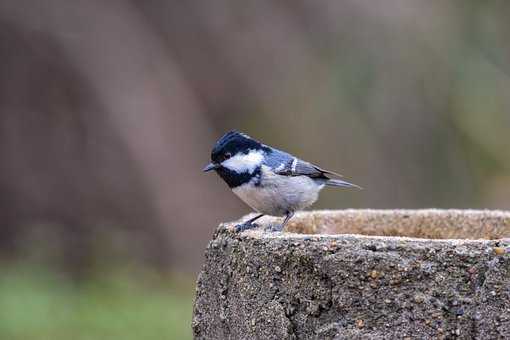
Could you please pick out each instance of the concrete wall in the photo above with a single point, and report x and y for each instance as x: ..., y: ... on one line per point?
x: 330, y: 285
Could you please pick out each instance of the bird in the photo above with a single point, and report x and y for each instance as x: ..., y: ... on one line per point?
x: 270, y: 181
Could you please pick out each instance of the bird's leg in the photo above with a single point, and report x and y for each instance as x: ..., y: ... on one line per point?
x: 248, y: 224
x: 281, y: 226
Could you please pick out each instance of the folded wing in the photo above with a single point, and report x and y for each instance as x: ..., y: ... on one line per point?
x: 298, y: 167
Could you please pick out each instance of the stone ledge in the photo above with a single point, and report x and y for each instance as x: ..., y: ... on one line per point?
x: 449, y: 276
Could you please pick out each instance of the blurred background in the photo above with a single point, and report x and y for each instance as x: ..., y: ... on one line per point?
x: 109, y: 110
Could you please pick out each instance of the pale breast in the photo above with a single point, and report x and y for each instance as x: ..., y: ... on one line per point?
x: 276, y: 194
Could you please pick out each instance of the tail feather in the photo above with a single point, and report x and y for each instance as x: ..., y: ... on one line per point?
x: 340, y: 183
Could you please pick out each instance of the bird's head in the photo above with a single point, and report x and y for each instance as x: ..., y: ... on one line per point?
x: 235, y: 155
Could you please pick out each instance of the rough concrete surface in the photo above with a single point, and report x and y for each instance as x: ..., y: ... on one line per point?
x: 327, y: 284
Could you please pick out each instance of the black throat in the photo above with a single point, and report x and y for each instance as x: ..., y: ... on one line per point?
x: 234, y: 179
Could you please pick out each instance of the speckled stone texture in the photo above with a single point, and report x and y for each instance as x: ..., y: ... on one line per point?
x: 326, y: 279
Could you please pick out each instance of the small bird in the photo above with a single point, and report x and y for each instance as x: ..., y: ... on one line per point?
x: 270, y: 181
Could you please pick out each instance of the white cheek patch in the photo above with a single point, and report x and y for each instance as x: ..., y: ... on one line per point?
x: 244, y: 162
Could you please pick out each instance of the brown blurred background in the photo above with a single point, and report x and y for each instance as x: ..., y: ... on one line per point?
x: 109, y: 109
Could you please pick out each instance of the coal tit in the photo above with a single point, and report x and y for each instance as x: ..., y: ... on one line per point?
x: 270, y: 181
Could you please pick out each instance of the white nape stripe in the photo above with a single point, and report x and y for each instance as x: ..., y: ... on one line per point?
x: 244, y: 162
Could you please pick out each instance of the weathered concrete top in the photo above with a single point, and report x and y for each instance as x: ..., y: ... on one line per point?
x: 359, y: 274
x: 426, y: 224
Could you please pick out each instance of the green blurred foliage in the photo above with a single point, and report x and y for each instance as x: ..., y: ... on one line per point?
x: 38, y: 304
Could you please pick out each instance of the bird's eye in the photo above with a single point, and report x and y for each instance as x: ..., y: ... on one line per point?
x: 228, y: 155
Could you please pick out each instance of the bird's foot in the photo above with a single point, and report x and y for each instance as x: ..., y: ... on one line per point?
x: 245, y: 226
x: 274, y: 228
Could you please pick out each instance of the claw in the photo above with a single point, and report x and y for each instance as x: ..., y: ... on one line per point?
x: 277, y: 228
x: 248, y: 224
x: 274, y: 228
x: 245, y: 226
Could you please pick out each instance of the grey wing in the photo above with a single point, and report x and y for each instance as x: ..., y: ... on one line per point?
x: 293, y: 166
x: 298, y: 167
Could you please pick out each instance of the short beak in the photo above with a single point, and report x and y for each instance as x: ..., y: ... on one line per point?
x: 210, y: 166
